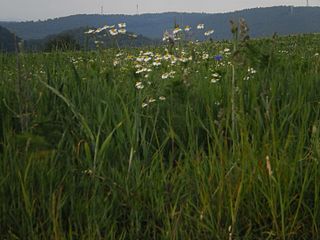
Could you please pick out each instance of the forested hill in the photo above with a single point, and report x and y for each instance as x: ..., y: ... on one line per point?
x: 7, y: 40
x: 262, y: 22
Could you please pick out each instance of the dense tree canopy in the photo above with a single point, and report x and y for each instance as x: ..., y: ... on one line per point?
x: 62, y: 42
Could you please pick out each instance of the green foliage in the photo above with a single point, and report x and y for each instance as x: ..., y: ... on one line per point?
x: 64, y: 42
x: 114, y: 145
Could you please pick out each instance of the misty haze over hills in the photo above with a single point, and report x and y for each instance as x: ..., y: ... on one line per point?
x: 262, y: 22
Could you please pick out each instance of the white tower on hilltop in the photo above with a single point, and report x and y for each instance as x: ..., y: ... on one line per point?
x: 313, y: 3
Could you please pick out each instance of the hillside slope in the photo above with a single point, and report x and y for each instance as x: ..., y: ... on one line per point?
x: 7, y: 40
x: 88, y: 41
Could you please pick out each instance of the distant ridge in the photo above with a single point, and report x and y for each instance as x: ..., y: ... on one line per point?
x: 262, y: 22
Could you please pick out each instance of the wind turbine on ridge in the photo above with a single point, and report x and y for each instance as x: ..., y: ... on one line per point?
x: 308, y: 5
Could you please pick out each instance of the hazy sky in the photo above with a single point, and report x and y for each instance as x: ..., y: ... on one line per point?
x: 43, y: 9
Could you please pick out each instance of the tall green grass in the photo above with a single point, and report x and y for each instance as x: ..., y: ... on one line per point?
x: 80, y: 158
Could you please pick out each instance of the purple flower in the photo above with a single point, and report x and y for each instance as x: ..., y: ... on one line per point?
x: 218, y: 58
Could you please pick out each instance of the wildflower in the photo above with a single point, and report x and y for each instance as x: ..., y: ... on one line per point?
x: 148, y: 54
x: 115, y: 62
x: 268, y: 166
x: 201, y: 215
x: 200, y: 26
x: 314, y: 129
x: 173, y: 60
x: 89, y: 31
x: 98, y: 30
x: 110, y: 27
x: 205, y: 56
x: 177, y: 30
x: 139, y: 85
x: 218, y: 58
x: 104, y: 27
x: 113, y: 32
x: 130, y: 57
x: 166, y: 36
x: 230, y: 232
x: 140, y: 59
x: 171, y: 73
x: 88, y: 172
x: 158, y: 57
x: 144, y: 105
x: 167, y: 56
x: 252, y: 71
x: 187, y: 28
x: 226, y: 50
x: 151, y: 100
x: 156, y: 63
x: 147, y: 59
x: 165, y: 75
x: 216, y: 78
x: 133, y: 35
x: 141, y: 70
x: 122, y: 30
x: 216, y: 75
x: 119, y: 54
x: 122, y: 25
x: 208, y: 33
x: 316, y: 54
x: 162, y: 98
x: 183, y: 59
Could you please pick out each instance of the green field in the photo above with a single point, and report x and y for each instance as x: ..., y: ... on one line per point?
x: 213, y: 140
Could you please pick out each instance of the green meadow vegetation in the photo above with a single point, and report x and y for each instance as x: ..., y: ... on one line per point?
x: 212, y: 140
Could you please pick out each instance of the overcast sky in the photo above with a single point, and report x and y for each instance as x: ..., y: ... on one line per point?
x: 43, y: 9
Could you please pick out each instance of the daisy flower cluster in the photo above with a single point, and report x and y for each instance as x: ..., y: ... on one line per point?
x: 176, y: 33
x: 113, y: 30
x: 251, y: 72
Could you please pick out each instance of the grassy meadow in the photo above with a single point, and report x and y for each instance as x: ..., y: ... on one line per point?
x: 212, y: 140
